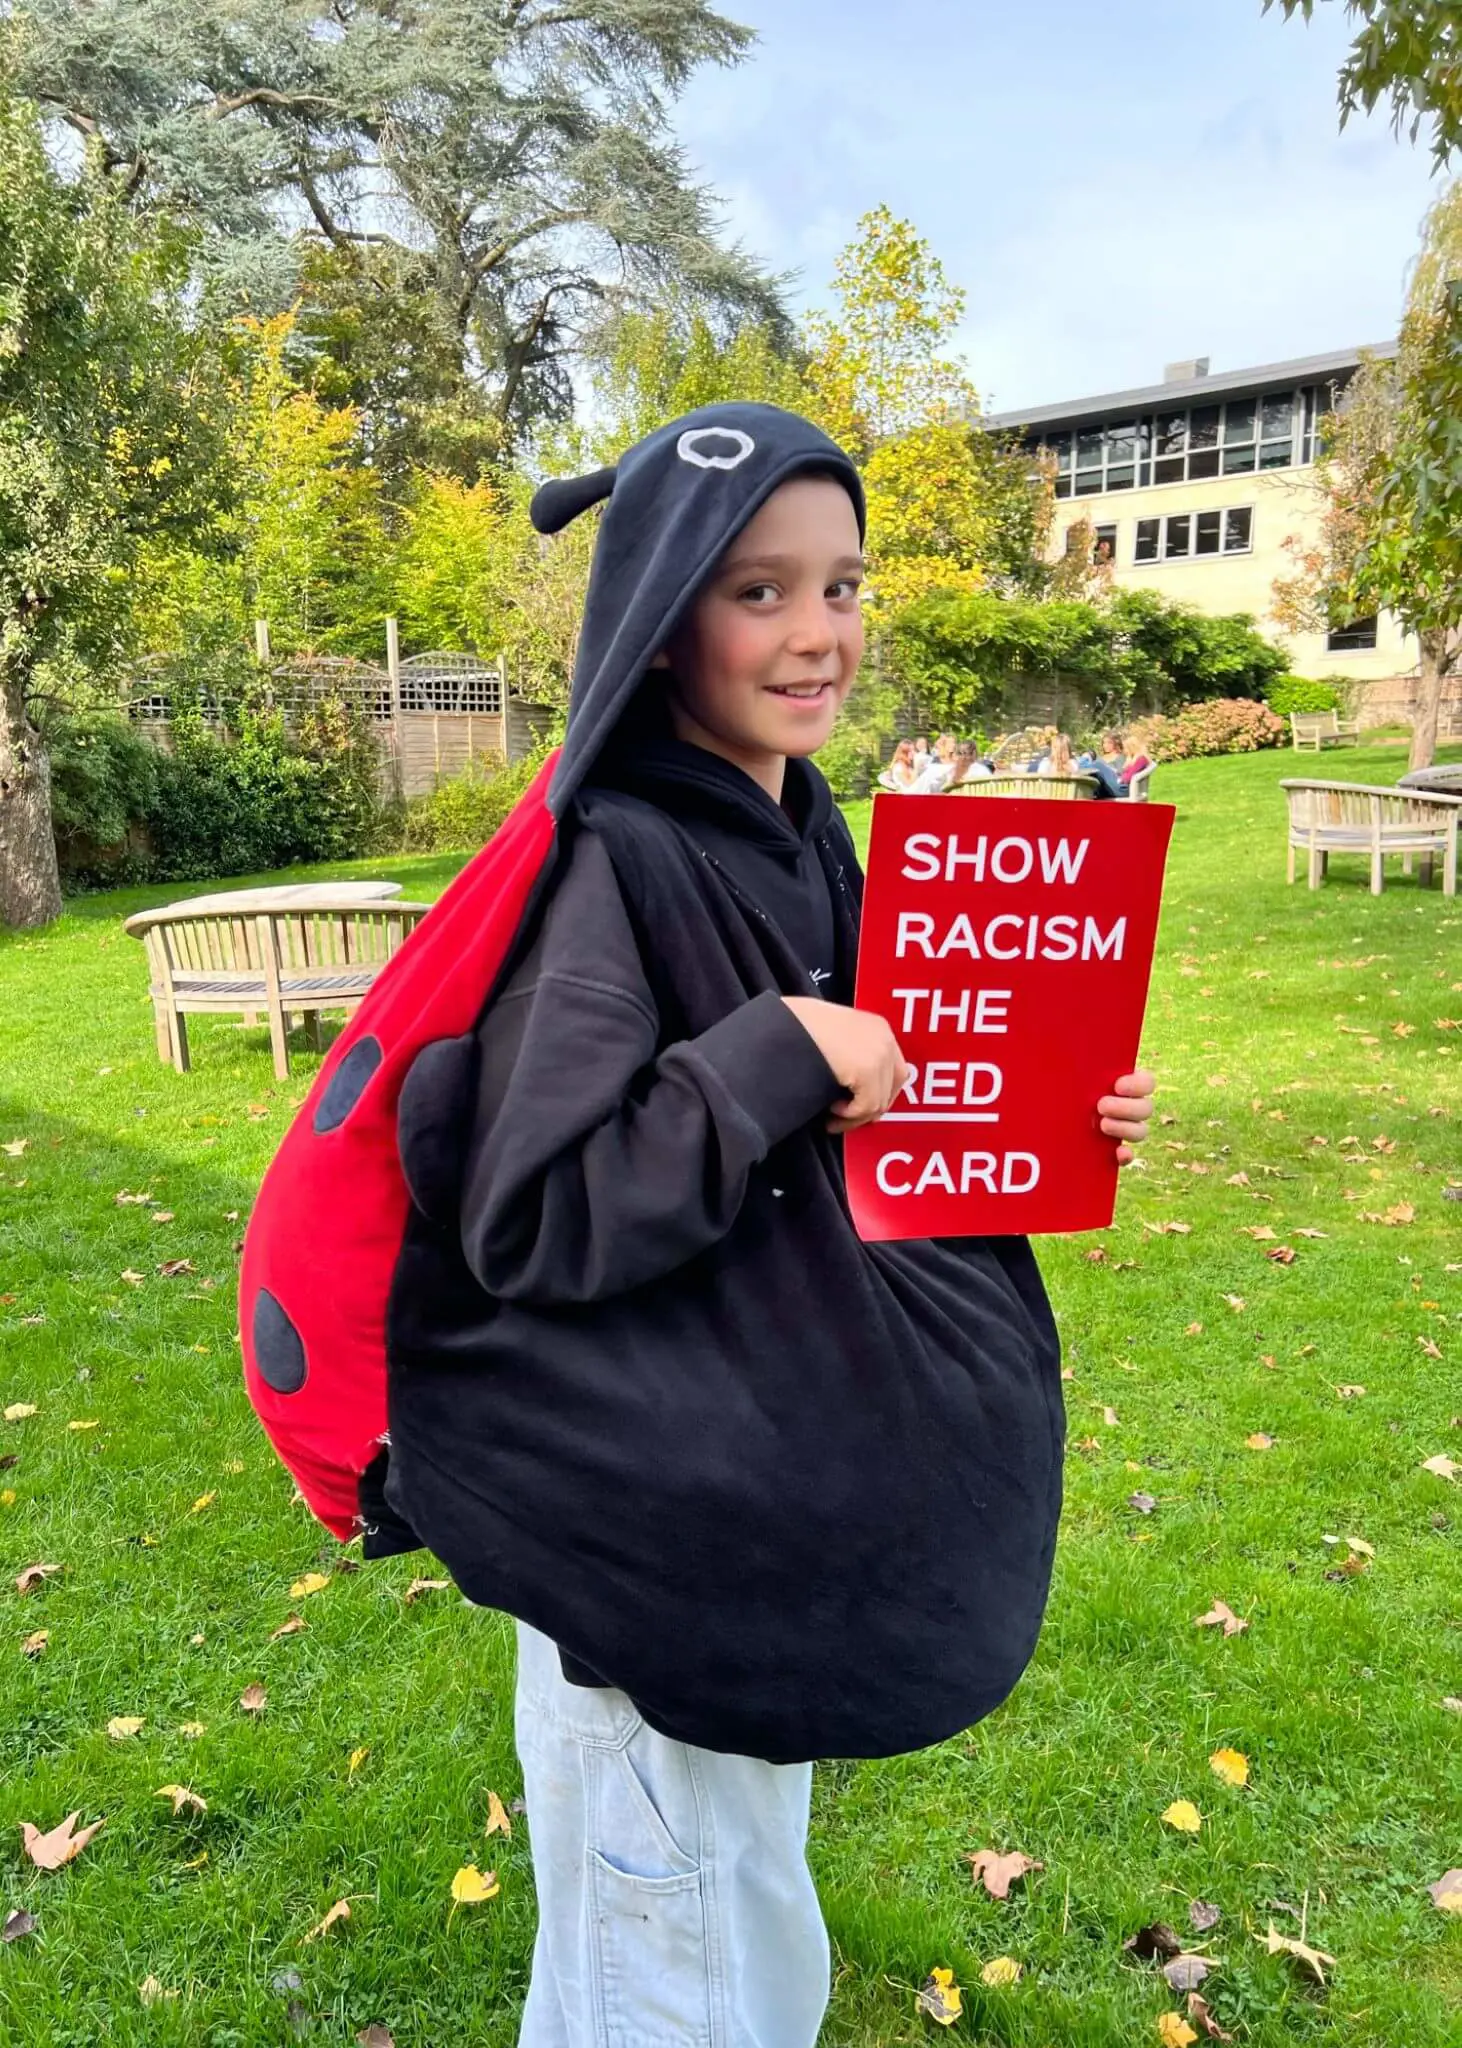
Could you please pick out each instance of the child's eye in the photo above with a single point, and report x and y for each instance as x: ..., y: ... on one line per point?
x: 759, y: 593
x: 846, y: 588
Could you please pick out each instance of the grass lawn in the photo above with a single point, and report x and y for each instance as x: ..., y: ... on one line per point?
x: 1309, y: 1087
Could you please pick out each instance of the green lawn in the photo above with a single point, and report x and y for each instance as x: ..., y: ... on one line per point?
x: 1299, y: 1044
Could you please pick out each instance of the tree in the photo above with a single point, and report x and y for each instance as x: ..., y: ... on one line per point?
x: 512, y: 157
x: 650, y: 367
x: 108, y: 436
x: 1390, y: 479
x: 1408, y: 52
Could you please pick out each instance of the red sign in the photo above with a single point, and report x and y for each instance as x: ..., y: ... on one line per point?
x: 1009, y: 942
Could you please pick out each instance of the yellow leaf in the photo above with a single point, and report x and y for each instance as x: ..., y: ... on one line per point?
x: 192, y: 1729
x: 7, y: 1497
x: 34, y: 1644
x: 1002, y: 1970
x: 1173, y: 2031
x: 1314, y: 1959
x: 497, y: 1817
x: 1184, y: 1816
x: 357, y: 1758
x: 312, y: 1582
x: 122, y: 1725
x: 940, y: 1998
x: 204, y: 1500
x: 19, y: 1410
x: 419, y: 1586
x: 83, y: 1425
x: 471, y: 1886
x: 1443, y: 1466
x: 181, y: 1798
x: 1231, y: 1765
x: 196, y: 1862
x: 1258, y: 1442
x: 339, y: 1911
x: 151, y: 1991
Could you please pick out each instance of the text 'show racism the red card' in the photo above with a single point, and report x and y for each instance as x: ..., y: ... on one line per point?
x: 1009, y: 942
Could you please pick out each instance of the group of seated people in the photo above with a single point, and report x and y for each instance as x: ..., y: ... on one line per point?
x: 917, y: 769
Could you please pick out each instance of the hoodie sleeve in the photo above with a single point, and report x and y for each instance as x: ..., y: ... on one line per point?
x: 600, y: 1159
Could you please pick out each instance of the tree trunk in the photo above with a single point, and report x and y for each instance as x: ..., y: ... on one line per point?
x: 30, y: 883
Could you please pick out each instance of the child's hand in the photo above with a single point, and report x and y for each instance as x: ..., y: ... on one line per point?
x: 1126, y: 1113
x: 862, y: 1052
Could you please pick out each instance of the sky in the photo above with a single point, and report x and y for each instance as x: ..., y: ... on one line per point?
x: 1115, y: 186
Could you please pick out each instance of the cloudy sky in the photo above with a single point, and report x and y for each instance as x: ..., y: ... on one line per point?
x: 1116, y: 186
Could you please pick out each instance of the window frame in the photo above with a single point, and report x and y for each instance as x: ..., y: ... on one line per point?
x: 1343, y: 640
x: 1191, y: 523
x: 1151, y: 450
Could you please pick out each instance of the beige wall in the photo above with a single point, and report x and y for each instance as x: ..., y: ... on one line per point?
x: 1284, y: 501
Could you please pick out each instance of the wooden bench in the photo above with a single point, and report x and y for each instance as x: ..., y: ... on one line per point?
x: 1009, y: 783
x: 1356, y: 817
x: 307, y: 959
x: 1317, y: 729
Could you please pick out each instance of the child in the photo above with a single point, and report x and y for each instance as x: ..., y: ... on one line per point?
x: 756, y: 1492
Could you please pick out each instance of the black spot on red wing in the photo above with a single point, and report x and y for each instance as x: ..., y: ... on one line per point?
x: 347, y: 1084
x: 279, y: 1350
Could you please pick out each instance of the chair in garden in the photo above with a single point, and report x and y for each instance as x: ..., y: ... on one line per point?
x: 1356, y: 817
x: 1068, y: 787
x: 301, y: 961
x: 1317, y: 729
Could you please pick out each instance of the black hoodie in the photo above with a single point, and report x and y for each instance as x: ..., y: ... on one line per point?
x: 794, y: 1494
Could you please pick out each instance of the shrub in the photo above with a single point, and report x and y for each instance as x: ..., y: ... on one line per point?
x: 263, y: 800
x: 103, y: 784
x: 462, y: 812
x: 1301, y: 693
x: 1224, y: 725
x: 862, y: 739
x: 1199, y: 655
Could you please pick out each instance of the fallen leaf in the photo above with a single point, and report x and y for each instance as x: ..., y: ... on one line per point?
x: 1399, y: 1212
x: 132, y: 1278
x: 162, y: 1216
x: 1173, y: 2031
x: 198, y: 1639
x: 1237, y: 1180
x: 1220, y: 1614
x: 253, y: 1699
x: 1428, y: 1347
x: 471, y: 1886
x: 152, y: 1992
x: 1203, y: 1914
x: 18, y: 1925
x: 497, y: 1817
x: 49, y: 1852
x: 357, y: 1758
x: 1145, y: 1503
x: 1258, y: 1442
x: 1001, y: 1970
x: 1350, y: 1393
x: 182, y: 1798
x: 376, y: 2036
x: 1194, y: 1330
x: 419, y: 1586
x: 1306, y: 1233
x: 192, y: 1729
x: 1452, y: 1703
x: 1157, y: 1939
x: 339, y: 1911
x: 1236, y: 1302
x: 1357, y: 1544
x: 1314, y: 1959
x: 1258, y: 1231
x: 1198, y: 2010
x: 35, y: 1575
x: 204, y: 1500
x: 1109, y: 1417
x: 174, y: 1267
x: 1282, y: 1255
x: 1184, y: 1816
x: 1233, y: 1767
x: 123, y: 1200
x: 939, y: 1998
x: 83, y: 1425
x: 292, y: 1627
x: 19, y: 1411
x: 1447, y: 1892
x: 312, y: 1582
x: 1443, y: 1466
x: 121, y: 1726
x: 997, y: 1872
x: 1187, y: 1971
x: 13, y: 1148
x: 35, y: 1643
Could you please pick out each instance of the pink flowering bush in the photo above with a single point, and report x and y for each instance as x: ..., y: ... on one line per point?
x: 1223, y: 725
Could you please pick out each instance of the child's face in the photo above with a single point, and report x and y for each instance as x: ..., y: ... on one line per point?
x: 770, y: 647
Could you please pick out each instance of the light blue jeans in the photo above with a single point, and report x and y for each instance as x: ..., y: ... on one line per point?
x: 675, y: 1906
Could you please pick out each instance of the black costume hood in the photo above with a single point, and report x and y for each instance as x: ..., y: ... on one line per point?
x: 676, y: 501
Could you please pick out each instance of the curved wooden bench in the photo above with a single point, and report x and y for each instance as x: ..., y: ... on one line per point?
x: 308, y: 958
x: 1008, y: 784
x: 1360, y: 817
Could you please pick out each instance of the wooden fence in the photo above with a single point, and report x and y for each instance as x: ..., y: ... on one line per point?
x: 430, y: 715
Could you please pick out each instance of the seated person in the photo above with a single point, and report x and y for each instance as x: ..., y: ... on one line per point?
x: 934, y: 777
x: 900, y: 774
x: 1106, y: 768
x: 922, y: 755
x: 967, y: 766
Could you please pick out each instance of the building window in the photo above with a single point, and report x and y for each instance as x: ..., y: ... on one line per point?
x: 1183, y: 534
x: 1355, y: 638
x: 1103, y: 541
x: 1235, y: 438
